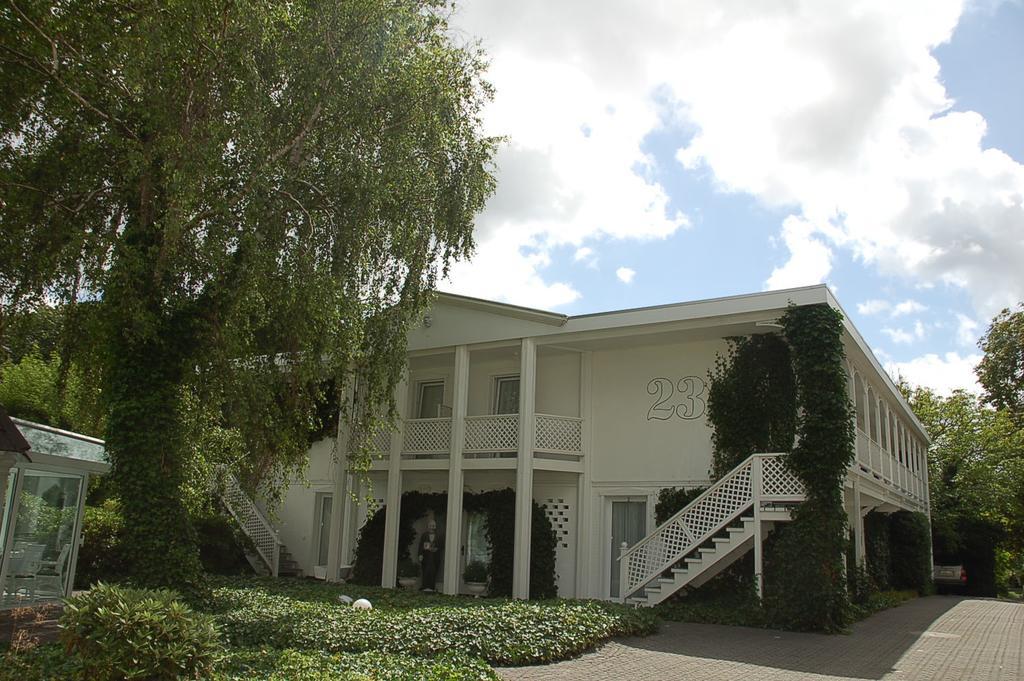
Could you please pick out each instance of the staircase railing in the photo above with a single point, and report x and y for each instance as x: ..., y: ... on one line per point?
x: 253, y: 523
x: 760, y: 477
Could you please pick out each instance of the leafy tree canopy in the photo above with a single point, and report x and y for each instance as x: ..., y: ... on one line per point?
x: 975, y: 468
x: 257, y: 195
x: 1001, y: 370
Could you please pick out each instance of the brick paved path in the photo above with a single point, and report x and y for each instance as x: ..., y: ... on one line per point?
x: 925, y: 640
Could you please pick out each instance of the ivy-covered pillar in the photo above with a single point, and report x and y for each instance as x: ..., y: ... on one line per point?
x: 524, y: 469
x: 393, y: 502
x: 453, y: 527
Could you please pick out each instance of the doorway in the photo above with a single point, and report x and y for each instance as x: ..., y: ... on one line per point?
x: 629, y: 525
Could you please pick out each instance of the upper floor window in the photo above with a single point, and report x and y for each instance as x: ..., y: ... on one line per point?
x: 431, y: 399
x: 506, y: 395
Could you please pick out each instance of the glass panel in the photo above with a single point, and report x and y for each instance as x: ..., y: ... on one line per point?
x: 56, y: 442
x: 507, y: 401
x: 325, y: 530
x: 431, y: 400
x: 44, y: 534
x: 629, y: 522
x: 477, y: 546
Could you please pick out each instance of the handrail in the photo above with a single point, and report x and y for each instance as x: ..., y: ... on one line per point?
x: 253, y: 523
x: 692, y: 525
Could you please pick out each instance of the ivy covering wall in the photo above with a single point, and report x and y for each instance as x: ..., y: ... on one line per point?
x: 499, y: 509
x: 751, y: 401
x: 767, y: 391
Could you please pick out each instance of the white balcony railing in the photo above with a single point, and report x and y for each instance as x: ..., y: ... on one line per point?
x: 559, y: 434
x: 428, y: 436
x: 491, y: 433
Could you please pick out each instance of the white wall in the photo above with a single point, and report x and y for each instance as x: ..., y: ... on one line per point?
x: 295, y: 519
x: 639, y: 435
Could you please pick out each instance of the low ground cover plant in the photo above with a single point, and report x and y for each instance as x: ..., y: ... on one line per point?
x: 502, y: 632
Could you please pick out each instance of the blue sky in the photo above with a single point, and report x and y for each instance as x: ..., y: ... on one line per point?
x: 683, y: 151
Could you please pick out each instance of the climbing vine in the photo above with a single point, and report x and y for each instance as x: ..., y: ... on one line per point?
x: 805, y: 577
x: 499, y: 509
x: 751, y: 401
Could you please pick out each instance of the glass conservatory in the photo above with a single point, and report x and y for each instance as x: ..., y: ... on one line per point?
x: 43, y: 502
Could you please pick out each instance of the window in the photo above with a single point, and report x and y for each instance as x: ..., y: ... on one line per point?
x: 506, y: 395
x: 431, y: 399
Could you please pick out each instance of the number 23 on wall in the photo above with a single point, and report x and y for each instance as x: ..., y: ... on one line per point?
x: 690, y: 403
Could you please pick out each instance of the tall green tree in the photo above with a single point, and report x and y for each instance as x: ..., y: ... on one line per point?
x: 976, y: 472
x: 1001, y: 370
x: 258, y: 194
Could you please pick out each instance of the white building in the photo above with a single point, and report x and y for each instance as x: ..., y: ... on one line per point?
x: 592, y: 415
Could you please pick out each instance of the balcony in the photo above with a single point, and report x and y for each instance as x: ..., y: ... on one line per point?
x: 492, y: 434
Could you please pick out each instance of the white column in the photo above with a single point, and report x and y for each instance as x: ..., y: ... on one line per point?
x: 349, y: 520
x: 340, y: 498
x: 857, y: 520
x: 453, y: 525
x: 588, y: 567
x: 524, y: 469
x: 756, y: 484
x: 393, y: 503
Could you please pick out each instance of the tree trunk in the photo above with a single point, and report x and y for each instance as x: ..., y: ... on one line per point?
x: 145, y: 368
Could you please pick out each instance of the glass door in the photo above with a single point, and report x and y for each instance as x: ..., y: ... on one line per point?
x: 37, y: 564
x: 629, y: 524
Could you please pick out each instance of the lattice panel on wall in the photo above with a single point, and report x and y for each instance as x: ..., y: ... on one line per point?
x: 560, y: 515
x: 498, y: 433
x: 559, y: 434
x: 777, y: 481
x: 428, y: 435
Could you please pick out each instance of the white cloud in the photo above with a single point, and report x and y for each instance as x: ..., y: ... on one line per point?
x: 810, y: 259
x: 942, y: 374
x: 966, y: 330
x: 873, y: 307
x: 899, y: 336
x: 906, y: 337
x: 908, y: 307
x: 583, y: 253
x: 834, y: 111
x: 625, y: 274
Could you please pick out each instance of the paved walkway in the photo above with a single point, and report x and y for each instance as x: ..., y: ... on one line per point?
x: 925, y: 640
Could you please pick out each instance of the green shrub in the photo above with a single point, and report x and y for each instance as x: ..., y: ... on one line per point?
x: 407, y: 568
x: 910, y: 550
x: 99, y: 556
x: 671, y: 500
x: 499, y: 631
x: 876, y: 545
x: 221, y: 545
x: 475, y: 572
x: 289, y: 665
x: 121, y: 633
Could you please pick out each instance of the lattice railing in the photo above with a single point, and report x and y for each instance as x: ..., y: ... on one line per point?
x: 559, y: 434
x: 428, y: 436
x: 705, y: 516
x: 777, y: 482
x: 492, y: 433
x: 253, y: 523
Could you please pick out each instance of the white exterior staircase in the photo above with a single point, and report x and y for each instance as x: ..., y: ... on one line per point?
x: 710, y: 533
x: 271, y: 557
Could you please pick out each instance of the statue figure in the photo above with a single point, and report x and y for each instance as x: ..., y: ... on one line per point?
x: 431, y: 546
